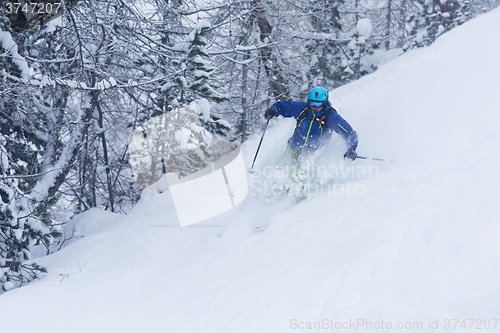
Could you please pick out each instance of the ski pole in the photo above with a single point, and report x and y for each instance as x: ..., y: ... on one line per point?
x: 258, y: 148
x: 371, y: 158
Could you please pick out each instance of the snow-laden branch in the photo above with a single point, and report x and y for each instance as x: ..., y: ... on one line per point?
x: 50, y: 61
x: 110, y: 83
x: 10, y: 46
x: 240, y: 48
x: 319, y: 36
x: 52, y: 179
x: 239, y: 62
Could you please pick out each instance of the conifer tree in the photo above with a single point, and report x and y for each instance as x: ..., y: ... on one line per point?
x: 24, y: 221
x: 325, y: 54
x: 469, y: 9
x: 193, y: 81
x: 359, y: 46
x: 436, y: 17
x: 193, y: 71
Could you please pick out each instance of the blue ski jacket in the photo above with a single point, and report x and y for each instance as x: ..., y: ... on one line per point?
x: 311, y: 131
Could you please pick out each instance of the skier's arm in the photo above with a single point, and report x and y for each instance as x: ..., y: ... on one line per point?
x: 288, y: 109
x: 342, y: 127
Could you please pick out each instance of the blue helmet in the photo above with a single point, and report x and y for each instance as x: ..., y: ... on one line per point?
x: 318, y: 94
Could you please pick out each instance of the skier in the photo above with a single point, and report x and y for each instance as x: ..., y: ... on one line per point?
x: 316, y: 120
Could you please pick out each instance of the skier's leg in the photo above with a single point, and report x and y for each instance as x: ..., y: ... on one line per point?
x: 288, y: 158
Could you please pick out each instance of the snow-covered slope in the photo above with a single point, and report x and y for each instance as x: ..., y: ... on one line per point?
x: 416, y: 243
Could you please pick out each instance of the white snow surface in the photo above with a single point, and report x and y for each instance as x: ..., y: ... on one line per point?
x: 419, y: 244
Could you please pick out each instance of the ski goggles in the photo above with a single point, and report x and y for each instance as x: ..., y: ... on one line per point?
x: 317, y: 104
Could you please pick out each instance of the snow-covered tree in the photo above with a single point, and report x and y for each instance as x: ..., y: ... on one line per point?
x: 172, y: 142
x: 469, y: 9
x: 433, y: 18
x: 357, y: 49
x: 324, y: 58
x: 24, y: 221
x: 193, y: 70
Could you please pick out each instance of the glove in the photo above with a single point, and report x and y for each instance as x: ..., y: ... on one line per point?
x: 351, y: 154
x: 270, y: 113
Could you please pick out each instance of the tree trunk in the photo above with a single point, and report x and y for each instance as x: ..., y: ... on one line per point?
x: 109, y: 180
x: 388, y: 25
x: 244, y: 102
x: 68, y: 157
x: 277, y: 83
